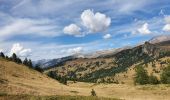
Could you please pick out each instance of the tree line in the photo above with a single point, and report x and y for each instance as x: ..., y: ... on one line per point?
x: 61, y: 79
x: 16, y: 59
x: 143, y: 78
x: 28, y: 63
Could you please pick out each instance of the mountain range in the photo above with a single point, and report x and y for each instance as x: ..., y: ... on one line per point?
x: 84, y: 72
x: 47, y: 63
x: 115, y: 66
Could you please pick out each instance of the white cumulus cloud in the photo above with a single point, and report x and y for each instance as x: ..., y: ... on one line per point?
x: 107, y: 36
x: 95, y: 22
x: 20, y: 50
x: 72, y: 29
x: 167, y: 25
x: 75, y: 50
x: 144, y: 29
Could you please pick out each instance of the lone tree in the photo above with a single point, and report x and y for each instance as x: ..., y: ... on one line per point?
x: 2, y: 55
x: 141, y: 76
x: 25, y: 62
x: 30, y: 63
x: 6, y: 57
x: 14, y: 57
x: 93, y: 93
x: 19, y: 61
x: 165, y: 76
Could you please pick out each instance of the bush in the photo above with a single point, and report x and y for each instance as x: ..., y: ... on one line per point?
x: 141, y: 76
x: 93, y: 93
x: 153, y: 80
x: 3, y: 94
x: 165, y: 76
x: 38, y: 68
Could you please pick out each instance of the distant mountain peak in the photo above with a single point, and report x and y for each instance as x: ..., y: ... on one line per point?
x: 160, y: 38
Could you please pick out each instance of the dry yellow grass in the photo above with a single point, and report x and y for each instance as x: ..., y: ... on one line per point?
x: 128, y: 92
x: 18, y: 79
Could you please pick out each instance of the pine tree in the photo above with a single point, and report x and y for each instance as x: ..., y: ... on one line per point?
x: 141, y: 76
x: 19, y: 61
x: 14, y: 57
x: 25, y: 62
x: 38, y: 68
x: 165, y: 76
x: 53, y: 75
x: 30, y: 63
x: 2, y: 55
x: 6, y: 57
x: 64, y: 80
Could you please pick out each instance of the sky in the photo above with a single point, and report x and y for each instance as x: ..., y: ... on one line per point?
x: 46, y: 29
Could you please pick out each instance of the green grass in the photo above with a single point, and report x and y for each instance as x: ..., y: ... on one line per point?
x: 29, y: 97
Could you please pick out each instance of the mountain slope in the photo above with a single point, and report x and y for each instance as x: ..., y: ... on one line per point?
x: 159, y: 39
x: 98, y: 69
x: 50, y: 63
x: 23, y: 83
x: 19, y: 79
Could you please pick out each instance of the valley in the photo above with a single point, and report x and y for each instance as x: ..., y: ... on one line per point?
x: 84, y: 49
x: 112, y: 76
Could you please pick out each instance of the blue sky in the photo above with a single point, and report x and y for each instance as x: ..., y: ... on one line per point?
x: 45, y: 29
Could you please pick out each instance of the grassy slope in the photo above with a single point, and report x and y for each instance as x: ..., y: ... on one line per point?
x: 129, y: 92
x: 28, y: 97
x: 17, y: 80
